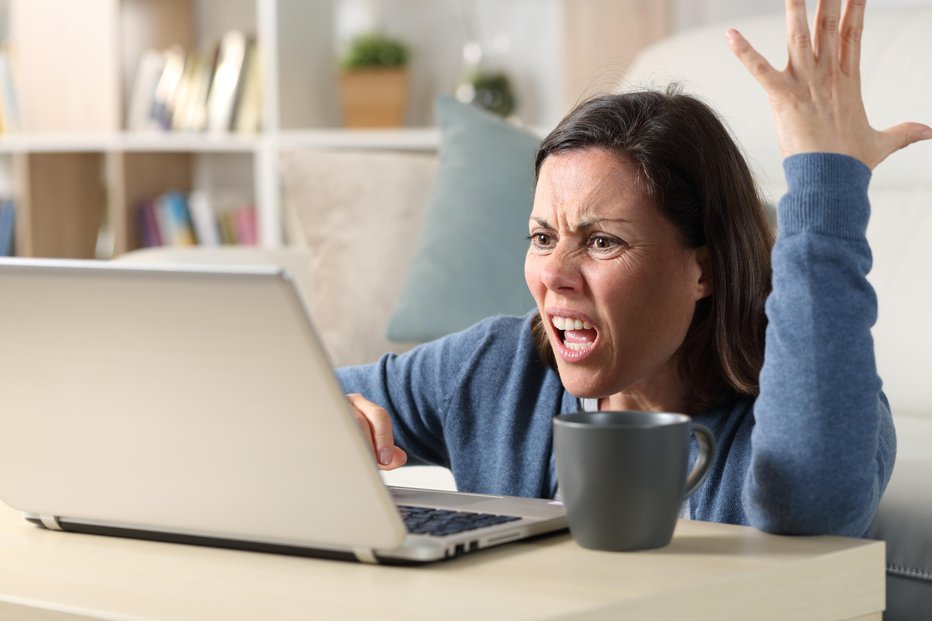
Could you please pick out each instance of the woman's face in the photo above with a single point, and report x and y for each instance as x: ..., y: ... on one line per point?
x: 615, y: 286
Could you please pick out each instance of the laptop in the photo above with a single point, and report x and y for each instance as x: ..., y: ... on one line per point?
x: 197, y: 405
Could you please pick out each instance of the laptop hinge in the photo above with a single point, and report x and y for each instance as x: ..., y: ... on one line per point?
x: 50, y: 522
x: 365, y: 555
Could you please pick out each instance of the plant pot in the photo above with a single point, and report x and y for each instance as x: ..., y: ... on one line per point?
x: 374, y: 97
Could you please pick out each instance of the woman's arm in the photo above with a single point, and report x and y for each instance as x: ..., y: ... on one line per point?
x: 478, y: 402
x: 452, y: 401
x: 400, y: 401
x: 823, y: 445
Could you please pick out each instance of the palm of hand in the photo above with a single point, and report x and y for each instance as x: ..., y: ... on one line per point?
x: 816, y: 100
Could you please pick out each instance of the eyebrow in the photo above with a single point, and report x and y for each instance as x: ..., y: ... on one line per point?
x: 587, y: 223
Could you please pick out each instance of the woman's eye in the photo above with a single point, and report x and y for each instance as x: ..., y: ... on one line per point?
x: 540, y: 240
x: 603, y: 243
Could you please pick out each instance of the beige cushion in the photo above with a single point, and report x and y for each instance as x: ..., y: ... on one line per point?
x: 359, y: 214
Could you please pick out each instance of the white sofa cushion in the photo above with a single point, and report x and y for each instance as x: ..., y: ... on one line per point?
x: 899, y: 233
x: 896, y: 77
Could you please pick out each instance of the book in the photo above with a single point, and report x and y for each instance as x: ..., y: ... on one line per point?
x: 142, y: 98
x: 7, y: 228
x: 206, y: 230
x: 191, y: 110
x: 174, y: 221
x: 164, y: 97
x: 147, y: 225
x: 227, y: 227
x: 9, y: 108
x: 182, y: 229
x: 226, y: 82
x: 244, y: 223
x: 180, y: 100
x: 249, y: 103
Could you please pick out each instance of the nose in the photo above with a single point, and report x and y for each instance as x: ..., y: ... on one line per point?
x: 560, y: 272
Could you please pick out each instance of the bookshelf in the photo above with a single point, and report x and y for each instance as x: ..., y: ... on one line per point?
x: 75, y: 168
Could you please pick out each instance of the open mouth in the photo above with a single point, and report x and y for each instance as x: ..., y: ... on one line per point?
x: 576, y: 337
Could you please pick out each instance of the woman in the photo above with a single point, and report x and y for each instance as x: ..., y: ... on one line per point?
x: 649, y: 262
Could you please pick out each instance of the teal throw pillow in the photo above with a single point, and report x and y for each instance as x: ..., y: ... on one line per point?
x: 469, y: 262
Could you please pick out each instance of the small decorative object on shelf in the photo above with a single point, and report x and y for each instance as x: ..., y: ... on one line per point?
x: 490, y: 90
x: 481, y: 83
x: 374, y: 82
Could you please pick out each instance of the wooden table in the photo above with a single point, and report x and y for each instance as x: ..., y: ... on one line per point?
x: 709, y: 571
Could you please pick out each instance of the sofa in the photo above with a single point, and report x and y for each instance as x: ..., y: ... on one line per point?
x: 358, y: 222
x: 897, y: 86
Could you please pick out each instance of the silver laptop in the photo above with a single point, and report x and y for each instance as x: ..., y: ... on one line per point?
x: 197, y: 405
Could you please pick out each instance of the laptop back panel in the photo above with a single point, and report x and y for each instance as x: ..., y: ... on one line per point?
x: 131, y: 393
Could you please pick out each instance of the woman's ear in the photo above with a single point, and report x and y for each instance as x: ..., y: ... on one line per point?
x: 705, y: 286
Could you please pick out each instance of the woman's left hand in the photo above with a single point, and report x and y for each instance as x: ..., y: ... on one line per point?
x: 816, y: 100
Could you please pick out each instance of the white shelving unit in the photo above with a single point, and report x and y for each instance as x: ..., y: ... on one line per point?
x: 72, y: 167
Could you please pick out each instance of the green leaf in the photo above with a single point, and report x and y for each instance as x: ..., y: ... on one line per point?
x: 375, y: 51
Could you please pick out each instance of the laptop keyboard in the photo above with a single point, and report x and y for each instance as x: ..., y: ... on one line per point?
x: 443, y: 522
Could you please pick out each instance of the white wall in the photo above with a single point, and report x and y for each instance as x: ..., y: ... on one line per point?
x: 530, y: 29
x: 520, y: 36
x: 695, y: 13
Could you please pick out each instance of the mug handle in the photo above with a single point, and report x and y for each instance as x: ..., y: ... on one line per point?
x: 707, y: 448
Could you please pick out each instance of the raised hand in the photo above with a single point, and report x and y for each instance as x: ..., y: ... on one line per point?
x: 816, y: 100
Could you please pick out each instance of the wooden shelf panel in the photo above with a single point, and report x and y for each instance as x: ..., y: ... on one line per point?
x: 403, y: 139
x: 59, y: 219
x: 128, y: 142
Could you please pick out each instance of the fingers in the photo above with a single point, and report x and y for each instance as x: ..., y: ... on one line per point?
x: 852, y: 27
x: 900, y: 136
x: 399, y: 459
x: 376, y: 425
x: 756, y: 64
x: 798, y: 39
x: 825, y: 37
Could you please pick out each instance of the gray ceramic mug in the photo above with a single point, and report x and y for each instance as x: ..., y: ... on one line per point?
x: 622, y: 475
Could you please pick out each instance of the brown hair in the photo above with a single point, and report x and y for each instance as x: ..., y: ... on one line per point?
x: 695, y: 174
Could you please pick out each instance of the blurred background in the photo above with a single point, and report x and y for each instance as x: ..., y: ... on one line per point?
x: 131, y: 123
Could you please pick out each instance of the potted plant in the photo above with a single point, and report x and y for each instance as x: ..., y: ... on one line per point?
x: 374, y: 82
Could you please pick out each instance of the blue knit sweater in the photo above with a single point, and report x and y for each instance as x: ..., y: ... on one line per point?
x: 811, y: 455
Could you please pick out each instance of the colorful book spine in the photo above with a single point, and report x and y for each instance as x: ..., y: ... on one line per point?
x: 147, y: 225
x: 244, y: 220
x: 182, y: 229
x: 7, y: 228
x: 216, y: 88
x: 202, y: 216
x: 177, y: 219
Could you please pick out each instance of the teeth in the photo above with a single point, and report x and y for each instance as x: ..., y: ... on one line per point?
x: 565, y: 323
x: 578, y: 346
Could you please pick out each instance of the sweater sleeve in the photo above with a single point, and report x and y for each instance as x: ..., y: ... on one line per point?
x: 413, y: 388
x: 823, y: 444
x: 479, y: 402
